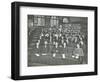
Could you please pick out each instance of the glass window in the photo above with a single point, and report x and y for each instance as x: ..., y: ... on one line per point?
x: 54, y: 21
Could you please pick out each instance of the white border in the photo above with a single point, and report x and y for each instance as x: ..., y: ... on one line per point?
x: 24, y: 70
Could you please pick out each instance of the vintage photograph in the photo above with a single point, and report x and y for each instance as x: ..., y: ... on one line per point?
x: 53, y: 40
x: 57, y: 40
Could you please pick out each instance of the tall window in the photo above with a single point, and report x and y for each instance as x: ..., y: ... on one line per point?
x: 54, y: 21
x: 30, y: 21
x: 39, y: 21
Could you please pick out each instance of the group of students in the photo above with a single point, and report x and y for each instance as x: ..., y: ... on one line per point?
x: 61, y: 43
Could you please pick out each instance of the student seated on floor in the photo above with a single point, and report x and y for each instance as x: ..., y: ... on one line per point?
x: 78, y: 53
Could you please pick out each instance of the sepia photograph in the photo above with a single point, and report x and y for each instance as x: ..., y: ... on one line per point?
x: 57, y: 40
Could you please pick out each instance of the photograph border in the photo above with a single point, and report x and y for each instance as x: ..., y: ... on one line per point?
x: 15, y: 39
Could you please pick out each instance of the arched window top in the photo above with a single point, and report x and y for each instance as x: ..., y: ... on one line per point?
x: 65, y: 20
